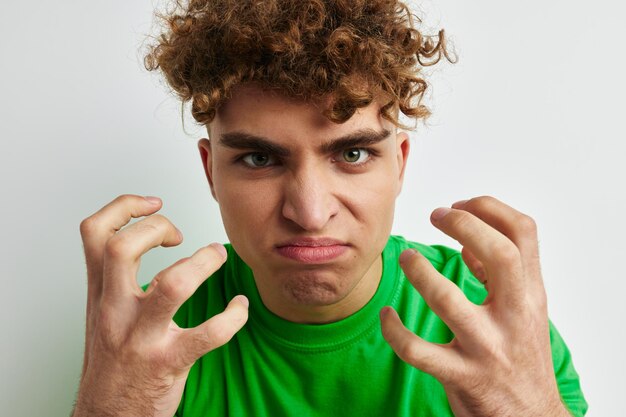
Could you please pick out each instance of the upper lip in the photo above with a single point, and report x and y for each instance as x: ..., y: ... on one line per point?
x: 311, y: 242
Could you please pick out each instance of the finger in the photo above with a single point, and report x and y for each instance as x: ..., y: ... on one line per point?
x: 97, y: 229
x: 520, y: 228
x: 475, y: 266
x: 436, y: 360
x: 174, y: 285
x: 215, y: 332
x: 123, y: 253
x: 442, y: 295
x: 500, y: 257
x: 478, y: 270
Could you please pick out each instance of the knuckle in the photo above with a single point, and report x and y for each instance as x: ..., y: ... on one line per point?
x: 239, y: 318
x: 158, y: 220
x: 173, y: 288
x: 125, y: 199
x: 198, y: 268
x: 444, y: 298
x: 408, y: 352
x: 487, y: 199
x: 483, y: 201
x: 463, y: 316
x: 156, y: 224
x: 119, y: 246
x: 205, y: 261
x: 527, y: 224
x: 539, y: 300
x: 454, y: 306
x: 446, y: 375
x: 88, y: 226
x: 147, y: 227
x: 465, y: 224
x: 411, y: 353
x: 462, y: 221
x: 507, y: 254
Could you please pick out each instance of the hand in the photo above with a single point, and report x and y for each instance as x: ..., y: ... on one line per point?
x: 500, y: 361
x: 136, y: 358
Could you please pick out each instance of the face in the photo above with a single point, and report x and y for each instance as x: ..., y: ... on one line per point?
x: 307, y: 203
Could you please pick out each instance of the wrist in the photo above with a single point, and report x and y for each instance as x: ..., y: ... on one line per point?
x: 111, y: 408
x: 556, y: 409
x: 112, y: 398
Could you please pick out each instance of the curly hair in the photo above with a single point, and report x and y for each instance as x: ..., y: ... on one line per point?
x: 356, y: 50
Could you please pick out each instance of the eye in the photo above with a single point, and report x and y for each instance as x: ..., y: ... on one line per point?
x: 258, y: 160
x: 356, y: 155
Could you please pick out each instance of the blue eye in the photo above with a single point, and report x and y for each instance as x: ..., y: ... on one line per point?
x: 355, y: 155
x: 258, y: 160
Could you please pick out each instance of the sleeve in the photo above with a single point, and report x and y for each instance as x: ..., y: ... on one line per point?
x: 566, y: 376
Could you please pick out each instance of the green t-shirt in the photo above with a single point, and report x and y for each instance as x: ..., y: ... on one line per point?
x: 273, y: 367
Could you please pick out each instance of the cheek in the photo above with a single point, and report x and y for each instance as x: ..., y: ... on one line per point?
x: 244, y: 205
x: 371, y: 199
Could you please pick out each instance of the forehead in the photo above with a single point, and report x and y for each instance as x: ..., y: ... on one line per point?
x: 273, y: 115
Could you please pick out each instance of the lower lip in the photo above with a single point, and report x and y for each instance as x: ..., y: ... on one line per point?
x: 312, y: 254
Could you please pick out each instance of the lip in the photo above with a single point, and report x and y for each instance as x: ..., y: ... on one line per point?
x: 312, y: 250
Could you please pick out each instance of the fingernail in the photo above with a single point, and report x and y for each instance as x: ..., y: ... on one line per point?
x: 180, y: 234
x: 406, y: 255
x: 387, y: 311
x: 440, y: 213
x: 220, y: 248
x: 153, y: 200
x: 459, y: 203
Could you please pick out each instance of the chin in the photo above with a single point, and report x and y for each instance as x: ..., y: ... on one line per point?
x: 313, y: 291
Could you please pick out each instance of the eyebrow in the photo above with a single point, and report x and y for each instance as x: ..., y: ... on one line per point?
x: 359, y: 138
x: 242, y: 140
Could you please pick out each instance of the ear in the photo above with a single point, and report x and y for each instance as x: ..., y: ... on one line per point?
x: 403, y: 146
x: 204, y: 146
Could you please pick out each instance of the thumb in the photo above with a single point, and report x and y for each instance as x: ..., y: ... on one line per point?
x: 215, y: 332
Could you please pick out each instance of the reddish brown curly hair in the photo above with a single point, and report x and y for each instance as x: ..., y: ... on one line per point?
x: 355, y: 50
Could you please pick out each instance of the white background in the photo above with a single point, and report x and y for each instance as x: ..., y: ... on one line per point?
x: 533, y: 114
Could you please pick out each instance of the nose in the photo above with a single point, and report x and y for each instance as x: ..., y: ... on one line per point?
x: 309, y: 200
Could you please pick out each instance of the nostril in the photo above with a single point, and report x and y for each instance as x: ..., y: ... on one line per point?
x: 309, y: 214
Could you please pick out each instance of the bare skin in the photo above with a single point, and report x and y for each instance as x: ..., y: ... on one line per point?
x: 304, y: 188
x: 136, y: 358
x: 500, y: 362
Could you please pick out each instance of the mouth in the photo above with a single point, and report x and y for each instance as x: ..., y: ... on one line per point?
x: 312, y: 250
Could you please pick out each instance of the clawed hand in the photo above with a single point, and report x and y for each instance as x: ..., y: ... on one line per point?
x: 136, y: 358
x: 500, y: 361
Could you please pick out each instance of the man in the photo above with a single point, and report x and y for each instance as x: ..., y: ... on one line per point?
x: 301, y: 101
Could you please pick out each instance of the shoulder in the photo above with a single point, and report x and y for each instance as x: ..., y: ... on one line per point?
x: 438, y: 255
x: 448, y: 262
